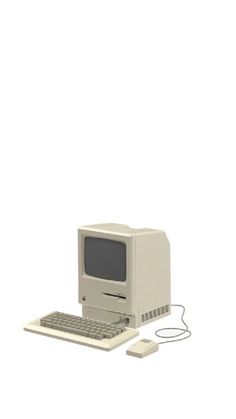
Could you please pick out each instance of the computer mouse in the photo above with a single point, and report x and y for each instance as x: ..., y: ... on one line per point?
x: 142, y: 348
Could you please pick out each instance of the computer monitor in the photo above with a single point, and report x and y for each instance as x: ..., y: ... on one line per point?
x: 124, y: 273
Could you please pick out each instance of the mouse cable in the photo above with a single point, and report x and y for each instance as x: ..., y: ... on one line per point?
x: 181, y: 331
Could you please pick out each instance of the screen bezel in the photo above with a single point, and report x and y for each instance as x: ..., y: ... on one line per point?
x: 92, y: 289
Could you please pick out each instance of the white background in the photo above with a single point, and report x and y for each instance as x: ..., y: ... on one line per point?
x: 117, y: 111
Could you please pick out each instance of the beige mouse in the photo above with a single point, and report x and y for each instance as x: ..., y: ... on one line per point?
x: 142, y: 348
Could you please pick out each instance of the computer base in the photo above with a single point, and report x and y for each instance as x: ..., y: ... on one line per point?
x: 133, y: 321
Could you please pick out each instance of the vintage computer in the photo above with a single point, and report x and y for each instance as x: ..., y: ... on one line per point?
x: 124, y: 283
x: 124, y: 273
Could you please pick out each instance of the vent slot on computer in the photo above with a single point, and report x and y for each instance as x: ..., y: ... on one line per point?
x: 155, y: 313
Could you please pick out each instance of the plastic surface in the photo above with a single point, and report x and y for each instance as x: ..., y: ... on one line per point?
x: 142, y: 348
x: 105, y: 344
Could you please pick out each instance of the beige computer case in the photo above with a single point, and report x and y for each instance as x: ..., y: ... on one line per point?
x: 145, y: 295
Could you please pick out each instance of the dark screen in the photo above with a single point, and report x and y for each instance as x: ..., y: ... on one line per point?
x: 105, y: 258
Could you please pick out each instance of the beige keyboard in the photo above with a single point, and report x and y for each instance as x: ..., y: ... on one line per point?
x: 89, y: 332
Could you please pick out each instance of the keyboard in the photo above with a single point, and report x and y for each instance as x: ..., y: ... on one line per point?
x: 81, y: 326
x: 82, y: 330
